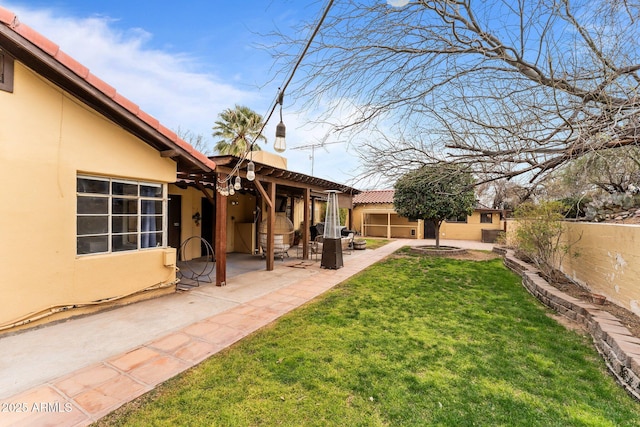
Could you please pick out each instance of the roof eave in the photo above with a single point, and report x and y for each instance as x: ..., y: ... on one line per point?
x: 269, y: 171
x: 108, y: 102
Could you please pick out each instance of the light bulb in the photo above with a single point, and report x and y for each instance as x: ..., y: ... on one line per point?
x: 251, y: 171
x: 238, y: 184
x: 280, y: 143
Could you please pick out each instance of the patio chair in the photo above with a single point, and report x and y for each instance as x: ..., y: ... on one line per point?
x: 316, y: 246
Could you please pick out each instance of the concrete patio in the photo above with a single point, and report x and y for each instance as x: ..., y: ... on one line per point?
x: 75, y: 372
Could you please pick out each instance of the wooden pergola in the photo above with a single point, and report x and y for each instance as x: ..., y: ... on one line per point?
x: 269, y: 181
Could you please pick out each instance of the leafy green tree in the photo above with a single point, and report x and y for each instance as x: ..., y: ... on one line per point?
x: 435, y: 193
x: 236, y: 129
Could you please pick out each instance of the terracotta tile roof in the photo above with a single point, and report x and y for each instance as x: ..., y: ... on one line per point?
x: 10, y: 20
x: 374, y: 196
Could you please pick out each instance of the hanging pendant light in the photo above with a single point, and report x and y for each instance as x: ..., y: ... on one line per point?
x: 251, y: 171
x: 280, y: 144
x: 238, y: 183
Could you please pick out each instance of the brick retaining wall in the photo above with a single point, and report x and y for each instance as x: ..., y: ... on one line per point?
x: 615, y: 343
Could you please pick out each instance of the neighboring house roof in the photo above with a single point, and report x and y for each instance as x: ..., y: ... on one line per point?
x: 45, y: 57
x: 386, y: 196
x: 374, y: 197
x: 484, y: 208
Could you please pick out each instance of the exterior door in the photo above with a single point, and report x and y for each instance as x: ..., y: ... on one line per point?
x: 429, y: 230
x: 175, y: 221
x: 208, y: 222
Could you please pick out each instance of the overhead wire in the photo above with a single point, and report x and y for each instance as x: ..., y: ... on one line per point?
x: 281, y: 90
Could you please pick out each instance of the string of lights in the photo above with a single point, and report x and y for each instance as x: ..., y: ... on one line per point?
x: 224, y: 185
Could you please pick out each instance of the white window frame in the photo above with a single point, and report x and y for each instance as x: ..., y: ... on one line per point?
x: 110, y: 234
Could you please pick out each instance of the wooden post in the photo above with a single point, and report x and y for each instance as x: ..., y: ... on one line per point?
x: 307, y: 229
x: 271, y: 226
x: 221, y: 239
x: 269, y: 198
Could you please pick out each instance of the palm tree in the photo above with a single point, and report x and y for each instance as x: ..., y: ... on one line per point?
x: 237, y: 129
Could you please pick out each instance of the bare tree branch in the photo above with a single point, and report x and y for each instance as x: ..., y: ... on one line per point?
x: 510, y: 88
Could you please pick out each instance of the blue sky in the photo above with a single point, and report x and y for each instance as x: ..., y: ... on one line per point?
x: 185, y: 62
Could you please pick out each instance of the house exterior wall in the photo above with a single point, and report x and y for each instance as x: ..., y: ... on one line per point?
x: 53, y: 137
x: 271, y: 159
x: 376, y: 217
x: 191, y: 204
x: 470, y: 230
x: 240, y: 209
x: 298, y: 215
x: 374, y: 220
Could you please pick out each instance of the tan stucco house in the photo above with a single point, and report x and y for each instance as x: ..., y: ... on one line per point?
x: 375, y: 216
x: 85, y: 197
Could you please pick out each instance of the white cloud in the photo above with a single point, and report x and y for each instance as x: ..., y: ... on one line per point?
x: 398, y: 3
x: 176, y: 89
x: 169, y: 86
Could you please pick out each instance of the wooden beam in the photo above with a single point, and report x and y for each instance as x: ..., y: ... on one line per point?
x: 289, y: 179
x: 307, y: 225
x: 169, y: 153
x: 270, y: 200
x: 206, y: 193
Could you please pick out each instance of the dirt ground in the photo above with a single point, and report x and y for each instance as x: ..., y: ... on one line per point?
x: 626, y: 317
x: 472, y: 255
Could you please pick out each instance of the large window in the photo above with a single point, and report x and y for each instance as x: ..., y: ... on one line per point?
x: 461, y: 218
x: 486, y: 218
x: 6, y: 72
x: 117, y: 215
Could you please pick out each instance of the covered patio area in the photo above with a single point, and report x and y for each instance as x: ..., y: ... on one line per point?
x: 201, y: 271
x: 245, y: 221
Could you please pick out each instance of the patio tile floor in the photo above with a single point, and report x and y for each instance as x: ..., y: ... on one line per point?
x: 82, y: 396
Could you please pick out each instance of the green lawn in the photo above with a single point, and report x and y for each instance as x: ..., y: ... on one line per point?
x: 411, y: 341
x: 373, y: 243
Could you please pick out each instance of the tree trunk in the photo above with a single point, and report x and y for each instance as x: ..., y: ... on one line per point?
x: 437, y: 227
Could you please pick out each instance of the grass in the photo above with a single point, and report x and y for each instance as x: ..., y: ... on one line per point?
x: 411, y: 341
x: 375, y: 243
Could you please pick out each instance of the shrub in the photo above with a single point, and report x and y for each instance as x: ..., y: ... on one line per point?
x: 539, y: 235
